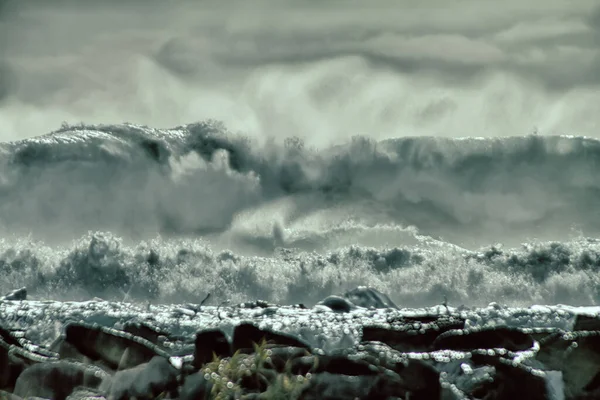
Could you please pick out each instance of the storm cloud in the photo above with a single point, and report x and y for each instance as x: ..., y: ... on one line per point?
x: 323, y: 70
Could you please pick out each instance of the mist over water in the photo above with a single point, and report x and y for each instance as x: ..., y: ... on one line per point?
x: 292, y: 151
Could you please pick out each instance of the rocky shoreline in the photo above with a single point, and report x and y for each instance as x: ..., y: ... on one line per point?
x: 357, y: 345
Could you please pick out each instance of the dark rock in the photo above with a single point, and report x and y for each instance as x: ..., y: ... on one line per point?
x: 8, y: 337
x: 143, y: 331
x: 552, y: 349
x: 334, y: 386
x: 208, y: 343
x: 14, y: 358
x: 411, y: 335
x: 577, y: 356
x: 328, y: 386
x: 246, y: 335
x: 586, y: 323
x: 366, y: 297
x: 511, y: 380
x: 9, y: 396
x: 255, y: 304
x: 85, y: 394
x: 488, y: 338
x: 420, y: 379
x: 337, y: 303
x: 195, y: 387
x: 145, y: 381
x: 118, y: 350
x: 335, y: 364
x: 16, y: 295
x: 57, y: 379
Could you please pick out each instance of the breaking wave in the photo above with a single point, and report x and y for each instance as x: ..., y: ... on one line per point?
x: 198, y: 209
x: 187, y: 270
x: 200, y: 179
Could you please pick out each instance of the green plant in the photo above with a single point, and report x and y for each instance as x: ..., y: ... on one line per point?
x: 231, y: 376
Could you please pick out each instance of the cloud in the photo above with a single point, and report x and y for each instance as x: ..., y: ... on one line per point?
x: 168, y: 63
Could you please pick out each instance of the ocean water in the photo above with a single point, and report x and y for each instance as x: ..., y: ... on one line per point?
x: 129, y: 212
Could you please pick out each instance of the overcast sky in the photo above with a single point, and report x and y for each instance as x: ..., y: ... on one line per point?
x: 323, y: 70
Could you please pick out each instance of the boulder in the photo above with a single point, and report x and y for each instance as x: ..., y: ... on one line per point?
x: 16, y: 295
x: 210, y: 343
x: 246, y: 335
x: 144, y: 382
x: 115, y: 349
x: 367, y: 297
x: 488, y: 338
x: 57, y: 379
x: 408, y: 335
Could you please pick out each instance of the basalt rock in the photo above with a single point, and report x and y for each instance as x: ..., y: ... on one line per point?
x: 577, y: 356
x: 367, y: 297
x: 196, y: 387
x: 143, y: 382
x: 115, y: 349
x: 246, y: 335
x: 510, y: 380
x: 14, y: 359
x: 16, y: 295
x: 210, y: 343
x: 337, y: 304
x: 57, y: 379
x: 469, y: 339
x: 411, y: 335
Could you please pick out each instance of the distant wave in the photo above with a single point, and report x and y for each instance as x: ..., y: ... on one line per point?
x: 200, y: 180
x: 186, y: 270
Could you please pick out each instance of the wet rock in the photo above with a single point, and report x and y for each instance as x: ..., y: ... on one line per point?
x: 14, y: 359
x: 118, y: 350
x: 491, y: 338
x: 196, y: 387
x: 245, y: 336
x: 145, y: 381
x: 210, y: 342
x: 16, y: 295
x: 334, y: 364
x: 577, y: 356
x: 86, y: 394
x: 57, y: 379
x: 367, y: 297
x: 586, y: 323
x: 420, y: 379
x: 328, y: 386
x: 510, y: 380
x: 9, y: 396
x: 411, y: 335
x: 144, y: 331
x: 337, y: 304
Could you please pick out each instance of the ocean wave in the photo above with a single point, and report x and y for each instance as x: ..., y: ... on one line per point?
x: 198, y: 179
x: 186, y: 270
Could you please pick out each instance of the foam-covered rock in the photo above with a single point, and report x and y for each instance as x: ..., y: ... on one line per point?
x: 489, y: 338
x: 411, y: 334
x: 577, y: 356
x: 116, y: 349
